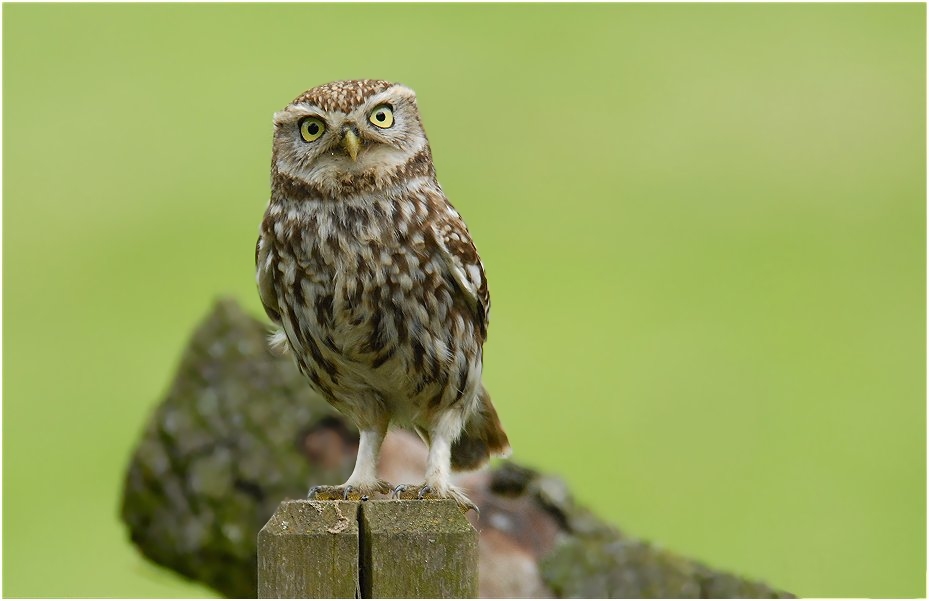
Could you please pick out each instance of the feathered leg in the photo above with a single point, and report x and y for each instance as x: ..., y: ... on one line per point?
x: 441, y: 434
x: 364, y: 480
x: 364, y: 476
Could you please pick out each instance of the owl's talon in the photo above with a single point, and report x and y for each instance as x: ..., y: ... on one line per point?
x: 426, y: 492
x: 470, y: 506
x: 326, y: 493
x: 346, y: 492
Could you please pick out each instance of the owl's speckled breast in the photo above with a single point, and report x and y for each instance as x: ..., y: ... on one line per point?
x: 371, y: 304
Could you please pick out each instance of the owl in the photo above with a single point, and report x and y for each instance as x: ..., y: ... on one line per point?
x: 375, y: 284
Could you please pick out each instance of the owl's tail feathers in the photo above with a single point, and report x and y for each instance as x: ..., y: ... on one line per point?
x: 483, y: 436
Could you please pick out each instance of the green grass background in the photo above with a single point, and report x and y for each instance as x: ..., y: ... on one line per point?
x: 703, y: 225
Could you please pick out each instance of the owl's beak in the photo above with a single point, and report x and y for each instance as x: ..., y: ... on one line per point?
x: 351, y: 143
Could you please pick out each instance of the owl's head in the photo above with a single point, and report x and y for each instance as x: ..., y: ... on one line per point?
x: 349, y: 135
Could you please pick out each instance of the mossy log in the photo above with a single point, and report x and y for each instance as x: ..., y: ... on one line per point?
x: 239, y: 432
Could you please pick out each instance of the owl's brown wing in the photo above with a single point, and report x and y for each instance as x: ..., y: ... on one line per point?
x: 264, y: 266
x: 464, y: 266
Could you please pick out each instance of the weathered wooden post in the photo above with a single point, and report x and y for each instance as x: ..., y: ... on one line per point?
x: 417, y: 549
x: 374, y: 549
x: 309, y: 549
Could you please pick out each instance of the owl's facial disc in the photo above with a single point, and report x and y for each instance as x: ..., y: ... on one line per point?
x: 326, y: 141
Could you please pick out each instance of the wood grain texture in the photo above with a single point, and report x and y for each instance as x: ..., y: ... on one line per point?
x: 417, y: 549
x: 309, y: 549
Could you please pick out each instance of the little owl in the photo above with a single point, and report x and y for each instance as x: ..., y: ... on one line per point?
x: 375, y: 283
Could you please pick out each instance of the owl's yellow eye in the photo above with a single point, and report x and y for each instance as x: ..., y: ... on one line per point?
x: 311, y: 128
x: 382, y: 116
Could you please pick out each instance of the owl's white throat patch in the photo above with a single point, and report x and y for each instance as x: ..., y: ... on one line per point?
x: 333, y: 169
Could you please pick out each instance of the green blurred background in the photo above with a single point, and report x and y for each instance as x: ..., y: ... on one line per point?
x: 704, y: 229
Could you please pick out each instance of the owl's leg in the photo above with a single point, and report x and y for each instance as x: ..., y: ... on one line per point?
x: 438, y: 485
x: 364, y: 476
x: 364, y: 480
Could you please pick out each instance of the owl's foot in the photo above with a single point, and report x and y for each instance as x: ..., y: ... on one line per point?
x: 419, y: 492
x: 349, y: 492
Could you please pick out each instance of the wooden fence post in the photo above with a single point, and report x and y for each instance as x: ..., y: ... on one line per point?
x: 375, y: 549
x: 309, y: 549
x: 417, y: 549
